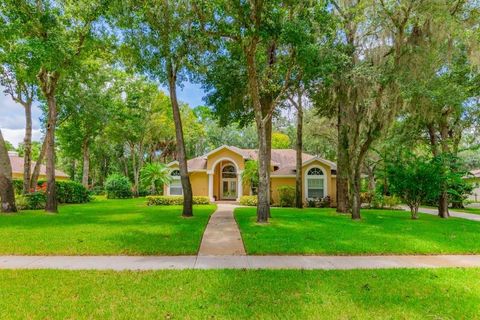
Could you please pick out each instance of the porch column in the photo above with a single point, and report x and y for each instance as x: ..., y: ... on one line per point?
x: 240, y: 186
x: 210, y: 187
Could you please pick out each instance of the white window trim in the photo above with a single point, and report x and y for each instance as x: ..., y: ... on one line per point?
x: 305, y: 179
x: 174, y: 178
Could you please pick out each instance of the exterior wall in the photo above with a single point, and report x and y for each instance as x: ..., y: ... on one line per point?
x: 199, y: 182
x: 225, y: 154
x: 278, y: 182
x: 333, y: 191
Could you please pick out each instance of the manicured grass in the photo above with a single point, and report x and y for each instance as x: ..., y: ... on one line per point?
x: 324, y: 232
x: 237, y: 294
x: 104, y: 227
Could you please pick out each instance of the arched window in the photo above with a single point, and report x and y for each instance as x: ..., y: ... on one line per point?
x: 229, y: 172
x: 175, y: 184
x: 315, y: 184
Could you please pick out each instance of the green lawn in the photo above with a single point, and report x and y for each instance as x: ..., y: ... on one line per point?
x: 324, y: 232
x: 104, y: 227
x: 237, y: 294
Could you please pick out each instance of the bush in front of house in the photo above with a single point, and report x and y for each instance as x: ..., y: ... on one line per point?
x: 249, y: 201
x: 286, y: 196
x: 118, y: 186
x: 324, y: 202
x: 174, y: 200
x: 31, y: 201
x: 72, y: 192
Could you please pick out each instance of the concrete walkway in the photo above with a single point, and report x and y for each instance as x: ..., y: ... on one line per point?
x: 222, y: 236
x: 453, y: 213
x: 236, y: 262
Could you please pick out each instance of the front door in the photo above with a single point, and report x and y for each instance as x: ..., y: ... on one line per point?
x: 229, y: 188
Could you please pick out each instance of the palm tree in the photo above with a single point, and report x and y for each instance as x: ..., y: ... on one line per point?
x: 155, y: 174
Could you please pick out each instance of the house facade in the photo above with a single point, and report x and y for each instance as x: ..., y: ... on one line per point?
x: 17, y: 168
x: 218, y: 174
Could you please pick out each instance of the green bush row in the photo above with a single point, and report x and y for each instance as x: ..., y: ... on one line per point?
x: 286, y: 195
x: 249, y: 201
x: 67, y: 192
x: 174, y: 200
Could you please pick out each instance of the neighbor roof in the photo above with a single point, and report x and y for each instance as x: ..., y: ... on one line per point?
x: 17, y: 166
x: 283, y: 159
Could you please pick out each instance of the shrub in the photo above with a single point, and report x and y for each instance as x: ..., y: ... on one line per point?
x: 325, y: 202
x: 366, y: 197
x: 31, y: 201
x: 286, y: 195
x: 72, y: 192
x: 380, y: 201
x: 174, y: 200
x: 98, y: 191
x: 249, y: 201
x: 118, y: 187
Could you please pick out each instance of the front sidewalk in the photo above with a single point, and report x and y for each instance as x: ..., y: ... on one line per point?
x: 236, y: 262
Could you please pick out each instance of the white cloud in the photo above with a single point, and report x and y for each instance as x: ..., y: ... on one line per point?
x: 15, y: 136
x: 12, y: 119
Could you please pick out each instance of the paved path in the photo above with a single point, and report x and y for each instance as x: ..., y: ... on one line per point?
x: 222, y: 236
x: 236, y: 262
x: 453, y: 213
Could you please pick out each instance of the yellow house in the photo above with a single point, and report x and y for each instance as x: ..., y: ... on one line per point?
x: 218, y: 174
x: 17, y: 168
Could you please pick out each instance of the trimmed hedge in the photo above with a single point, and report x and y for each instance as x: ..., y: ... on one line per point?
x: 72, y: 192
x: 67, y: 192
x: 249, y: 201
x: 174, y: 200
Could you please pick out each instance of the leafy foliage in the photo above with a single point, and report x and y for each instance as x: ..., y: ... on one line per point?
x: 118, y: 186
x: 174, y: 200
x: 249, y: 201
x: 286, y: 196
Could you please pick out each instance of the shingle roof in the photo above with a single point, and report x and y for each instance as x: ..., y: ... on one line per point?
x: 17, y: 167
x: 283, y: 159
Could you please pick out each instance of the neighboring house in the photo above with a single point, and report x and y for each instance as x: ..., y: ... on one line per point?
x: 218, y: 174
x: 17, y: 168
x: 474, y: 178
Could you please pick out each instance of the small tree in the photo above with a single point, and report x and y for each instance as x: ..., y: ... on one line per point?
x: 250, y: 175
x: 154, y: 175
x: 414, y: 179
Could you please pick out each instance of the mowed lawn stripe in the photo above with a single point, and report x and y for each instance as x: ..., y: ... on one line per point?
x: 104, y: 227
x: 380, y: 232
x: 240, y: 294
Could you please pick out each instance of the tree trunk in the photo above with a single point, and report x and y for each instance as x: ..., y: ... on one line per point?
x: 356, y: 201
x: 414, y: 212
x: 181, y: 154
x: 51, y: 205
x: 27, y: 142
x: 7, y: 194
x: 86, y: 163
x: 263, y: 206
x: 134, y: 169
x: 342, y: 165
x: 298, y: 178
x: 443, y: 205
x: 38, y: 165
